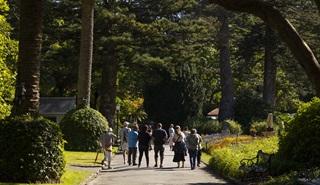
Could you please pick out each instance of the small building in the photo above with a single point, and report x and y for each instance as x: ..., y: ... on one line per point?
x: 213, y: 114
x: 54, y: 108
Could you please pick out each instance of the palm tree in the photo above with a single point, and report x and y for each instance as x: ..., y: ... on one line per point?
x: 30, y: 42
x: 85, y: 62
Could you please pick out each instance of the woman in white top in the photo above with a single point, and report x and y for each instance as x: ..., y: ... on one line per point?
x: 179, y: 140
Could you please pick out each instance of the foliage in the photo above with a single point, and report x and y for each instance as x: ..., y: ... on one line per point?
x: 249, y: 106
x: 8, y: 58
x: 285, y: 179
x: 234, y: 127
x: 203, y: 125
x: 301, y: 142
x: 227, y: 160
x: 134, y: 110
x: 31, y: 150
x: 81, y: 128
x: 174, y: 98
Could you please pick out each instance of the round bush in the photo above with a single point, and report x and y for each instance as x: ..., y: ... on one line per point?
x: 301, y: 142
x: 81, y: 128
x: 31, y: 150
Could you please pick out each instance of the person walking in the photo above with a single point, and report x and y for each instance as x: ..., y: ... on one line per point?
x: 171, y: 133
x: 124, y: 140
x: 193, y: 144
x: 133, y: 145
x: 149, y: 130
x: 106, y: 140
x: 199, y: 154
x: 180, y: 148
x: 144, y: 143
x: 159, y: 137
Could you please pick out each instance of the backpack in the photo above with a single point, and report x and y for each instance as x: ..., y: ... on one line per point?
x: 125, y: 135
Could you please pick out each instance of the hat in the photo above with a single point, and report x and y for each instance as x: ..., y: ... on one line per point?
x: 110, y: 130
x: 126, y: 123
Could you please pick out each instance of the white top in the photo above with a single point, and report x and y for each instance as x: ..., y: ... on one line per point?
x: 177, y: 138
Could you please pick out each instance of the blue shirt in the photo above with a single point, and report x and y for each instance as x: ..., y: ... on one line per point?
x: 133, y: 139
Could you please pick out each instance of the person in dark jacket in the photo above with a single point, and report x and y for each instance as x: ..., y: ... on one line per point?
x: 144, y: 144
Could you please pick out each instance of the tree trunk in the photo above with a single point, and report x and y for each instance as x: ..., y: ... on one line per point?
x: 108, y: 90
x: 270, y: 15
x: 86, y: 49
x: 30, y: 42
x: 270, y: 69
x: 227, y: 89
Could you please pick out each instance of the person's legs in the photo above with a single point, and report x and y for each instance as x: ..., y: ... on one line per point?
x: 129, y: 155
x: 192, y: 156
x: 147, y: 156
x: 134, y: 155
x: 124, y: 151
x: 161, y: 155
x: 140, y: 156
x: 199, y: 158
x: 156, y: 151
x: 109, y: 158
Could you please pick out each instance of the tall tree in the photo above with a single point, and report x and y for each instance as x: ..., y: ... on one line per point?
x: 227, y: 89
x: 86, y: 50
x: 27, y: 82
x: 268, y: 13
x: 270, y: 68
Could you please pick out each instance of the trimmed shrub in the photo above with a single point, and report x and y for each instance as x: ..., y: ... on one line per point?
x: 203, y: 125
x: 234, y: 127
x: 260, y: 126
x: 31, y: 150
x: 301, y: 142
x: 81, y: 128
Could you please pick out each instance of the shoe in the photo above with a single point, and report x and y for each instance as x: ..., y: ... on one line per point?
x: 161, y: 166
x: 198, y: 165
x: 124, y: 162
x: 134, y: 164
x: 129, y: 163
x: 109, y: 167
x: 155, y: 165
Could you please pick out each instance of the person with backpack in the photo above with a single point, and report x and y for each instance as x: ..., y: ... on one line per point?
x: 193, y: 146
x: 124, y: 140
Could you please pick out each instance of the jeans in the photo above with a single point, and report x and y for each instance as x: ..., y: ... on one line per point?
x: 193, y: 156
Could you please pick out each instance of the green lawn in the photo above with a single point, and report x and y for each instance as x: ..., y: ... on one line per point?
x: 72, y: 176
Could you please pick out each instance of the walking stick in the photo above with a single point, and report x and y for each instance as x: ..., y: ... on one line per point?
x: 96, y: 157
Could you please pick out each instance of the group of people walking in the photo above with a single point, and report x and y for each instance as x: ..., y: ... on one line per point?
x: 135, y: 139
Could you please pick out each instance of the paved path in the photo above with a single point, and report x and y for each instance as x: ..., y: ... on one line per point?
x: 123, y: 174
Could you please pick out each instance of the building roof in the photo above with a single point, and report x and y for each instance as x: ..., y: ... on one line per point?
x: 56, y: 105
x: 214, y: 112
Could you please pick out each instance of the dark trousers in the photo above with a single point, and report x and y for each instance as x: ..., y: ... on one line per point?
x: 132, y: 153
x: 199, y: 157
x: 145, y: 150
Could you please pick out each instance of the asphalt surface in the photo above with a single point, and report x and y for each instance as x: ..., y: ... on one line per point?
x: 123, y: 174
